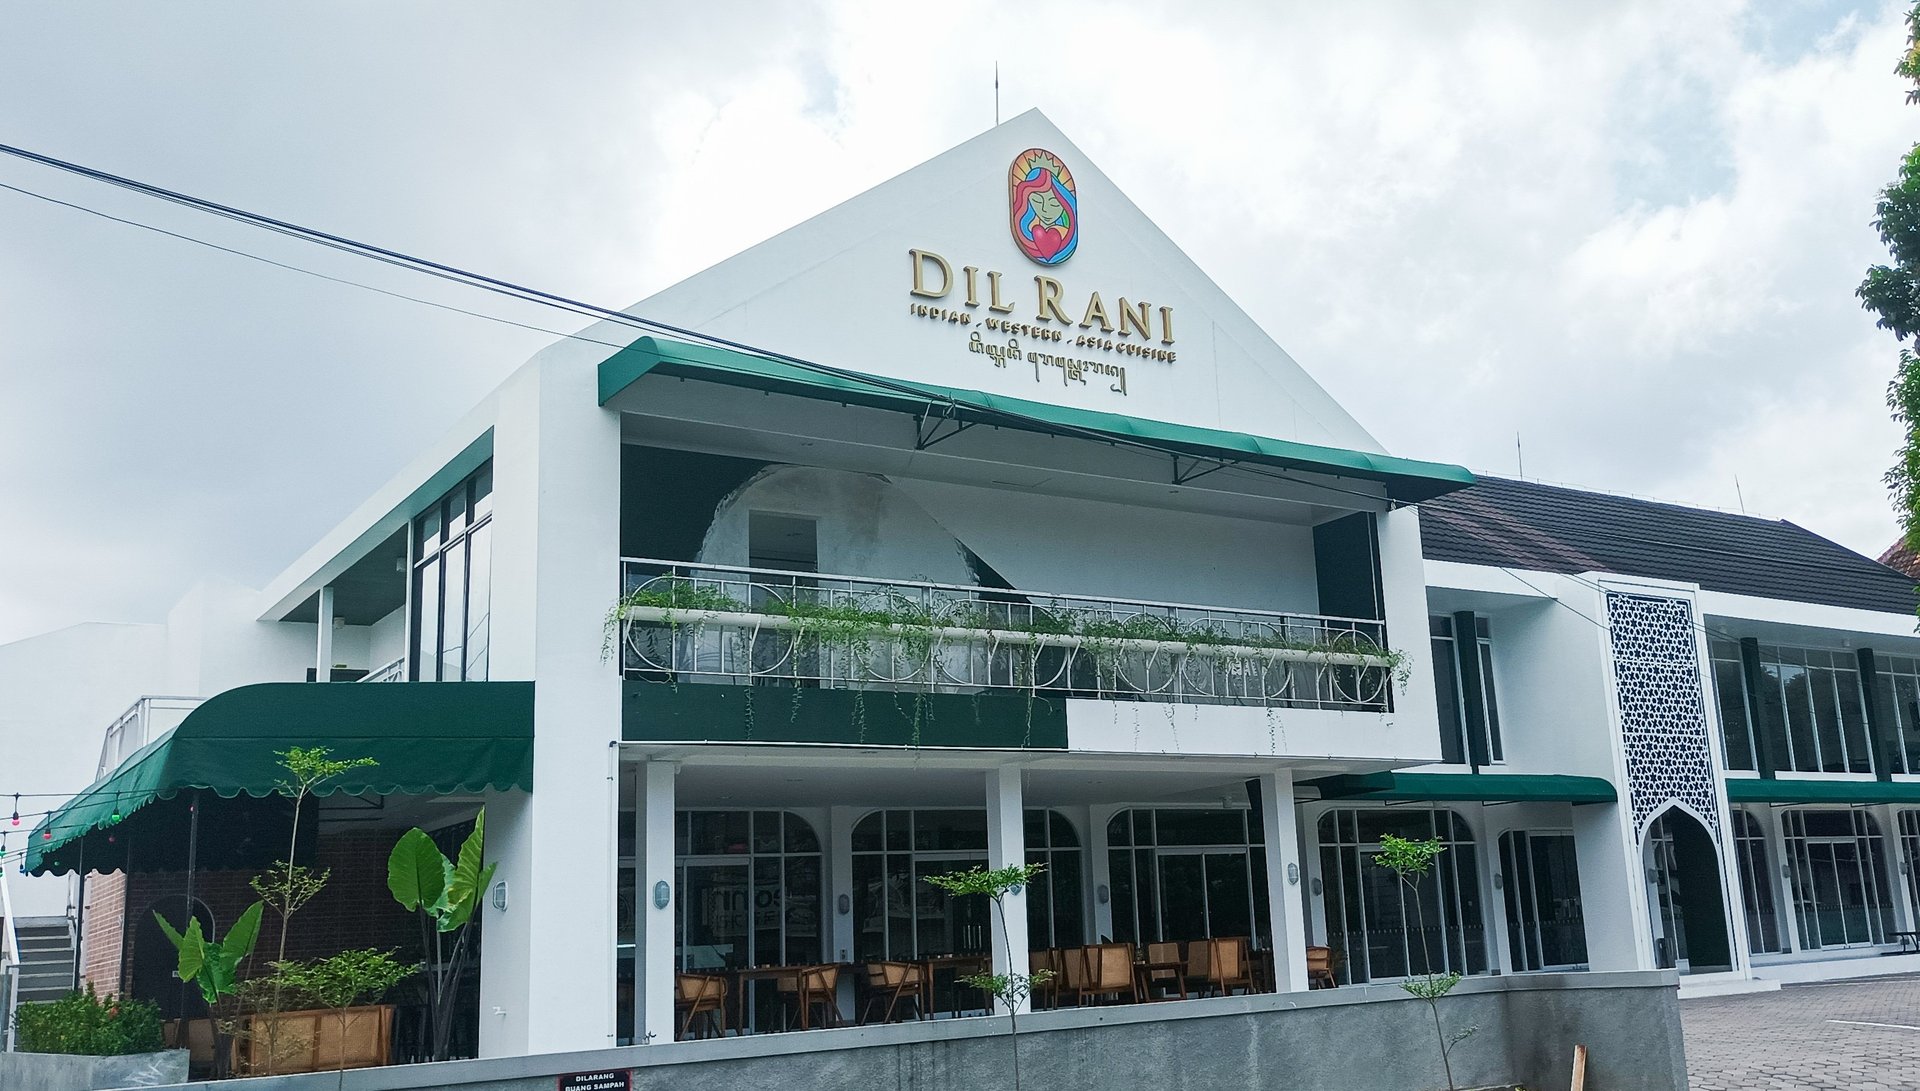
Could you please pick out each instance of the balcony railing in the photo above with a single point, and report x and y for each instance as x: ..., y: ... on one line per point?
x: 395, y: 671
x: 144, y: 721
x: 749, y: 625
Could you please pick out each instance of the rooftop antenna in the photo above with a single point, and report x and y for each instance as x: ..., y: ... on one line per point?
x: 996, y: 93
x: 1737, y: 495
x: 1519, y: 456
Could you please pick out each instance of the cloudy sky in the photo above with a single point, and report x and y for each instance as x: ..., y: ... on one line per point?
x: 1627, y: 232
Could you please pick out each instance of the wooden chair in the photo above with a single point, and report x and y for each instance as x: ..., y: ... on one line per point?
x: 1163, y: 968
x: 1109, y: 973
x: 1320, y: 968
x: 809, y: 988
x: 700, y: 994
x: 1076, y: 970
x: 1220, y: 965
x: 893, y: 987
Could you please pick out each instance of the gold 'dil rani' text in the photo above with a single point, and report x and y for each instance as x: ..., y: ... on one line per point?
x: 934, y: 277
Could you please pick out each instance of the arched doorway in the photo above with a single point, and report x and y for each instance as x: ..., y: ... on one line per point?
x: 154, y: 959
x: 1689, y: 915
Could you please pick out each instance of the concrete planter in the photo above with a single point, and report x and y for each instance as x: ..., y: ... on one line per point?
x: 72, y: 1072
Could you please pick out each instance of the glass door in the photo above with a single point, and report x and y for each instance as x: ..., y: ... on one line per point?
x: 1663, y: 898
x: 1546, y: 928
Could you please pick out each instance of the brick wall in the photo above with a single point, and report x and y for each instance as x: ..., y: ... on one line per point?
x: 354, y: 909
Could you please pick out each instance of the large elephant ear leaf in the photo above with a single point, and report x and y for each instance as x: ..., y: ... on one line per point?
x: 464, y: 887
x: 193, y: 951
x: 239, y: 940
x: 463, y: 911
x: 417, y: 872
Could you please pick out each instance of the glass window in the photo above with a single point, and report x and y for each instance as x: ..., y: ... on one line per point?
x: 1451, y: 695
x: 453, y: 584
x: 1184, y: 874
x: 1382, y: 929
x: 1730, y: 692
x: 897, y: 914
x: 1756, y: 884
x: 1546, y: 927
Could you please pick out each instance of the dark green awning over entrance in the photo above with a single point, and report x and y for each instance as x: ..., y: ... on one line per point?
x: 1480, y: 787
x: 1406, y: 480
x: 1744, y: 790
x: 428, y: 737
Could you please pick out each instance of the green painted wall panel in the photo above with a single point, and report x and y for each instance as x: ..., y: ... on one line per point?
x: 701, y: 712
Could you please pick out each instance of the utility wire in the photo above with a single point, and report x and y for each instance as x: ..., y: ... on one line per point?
x: 525, y: 293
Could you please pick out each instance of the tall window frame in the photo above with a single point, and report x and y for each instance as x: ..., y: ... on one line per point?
x: 1752, y: 858
x: 1450, y: 689
x: 452, y: 574
x: 1824, y: 726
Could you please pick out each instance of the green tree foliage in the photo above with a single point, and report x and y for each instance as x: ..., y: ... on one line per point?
x: 1411, y: 862
x: 1009, y: 988
x: 1892, y: 293
x: 83, y: 1023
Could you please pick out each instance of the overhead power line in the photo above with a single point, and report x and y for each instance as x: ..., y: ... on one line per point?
x: 555, y: 300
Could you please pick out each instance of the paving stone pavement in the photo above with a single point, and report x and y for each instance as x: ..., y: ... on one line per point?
x: 1807, y: 1036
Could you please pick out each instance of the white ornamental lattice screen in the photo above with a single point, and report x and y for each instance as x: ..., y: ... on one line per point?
x: 1663, y: 719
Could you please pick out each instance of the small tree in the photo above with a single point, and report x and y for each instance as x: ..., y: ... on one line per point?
x: 445, y: 895
x: 287, y: 887
x: 342, y: 982
x: 1411, y: 861
x: 1011, y: 987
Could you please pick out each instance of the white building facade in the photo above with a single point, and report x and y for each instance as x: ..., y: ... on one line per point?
x: 947, y: 530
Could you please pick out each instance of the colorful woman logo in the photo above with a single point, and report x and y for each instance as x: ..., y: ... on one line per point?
x: 1042, y: 208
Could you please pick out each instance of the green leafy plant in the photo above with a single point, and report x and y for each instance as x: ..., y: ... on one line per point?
x: 1892, y: 293
x: 341, y: 982
x: 213, y: 966
x: 445, y: 894
x: 1411, y: 861
x: 1009, y: 988
x: 84, y: 1023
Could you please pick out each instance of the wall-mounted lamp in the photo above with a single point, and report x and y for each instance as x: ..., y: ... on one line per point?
x: 499, y: 895
x: 1786, y: 870
x: 662, y: 894
x: 1497, y: 880
x: 1317, y: 887
x: 1293, y: 874
x: 845, y: 905
x: 1101, y: 894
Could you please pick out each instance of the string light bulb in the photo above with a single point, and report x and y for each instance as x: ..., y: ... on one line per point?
x: 16, y: 808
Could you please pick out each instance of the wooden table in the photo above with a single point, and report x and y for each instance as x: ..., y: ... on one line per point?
x: 743, y: 979
x: 1143, y: 972
x: 960, y: 965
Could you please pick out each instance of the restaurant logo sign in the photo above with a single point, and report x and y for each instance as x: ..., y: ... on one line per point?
x: 1043, y: 208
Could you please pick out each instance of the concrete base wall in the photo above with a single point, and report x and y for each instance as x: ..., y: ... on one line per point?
x: 64, y: 1072
x: 1368, y: 1038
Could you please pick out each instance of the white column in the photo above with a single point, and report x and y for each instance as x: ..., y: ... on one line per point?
x: 323, y: 637
x: 549, y: 966
x: 1100, y: 870
x: 1007, y: 847
x: 654, y: 987
x: 1284, y: 873
x: 1613, y: 887
x: 1493, y: 900
x: 839, y: 842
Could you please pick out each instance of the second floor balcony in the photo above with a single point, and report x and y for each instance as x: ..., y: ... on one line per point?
x: 678, y: 621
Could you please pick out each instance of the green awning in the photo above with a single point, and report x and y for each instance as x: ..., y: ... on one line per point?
x: 1745, y: 790
x: 1406, y: 480
x: 428, y: 737
x: 1480, y: 787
